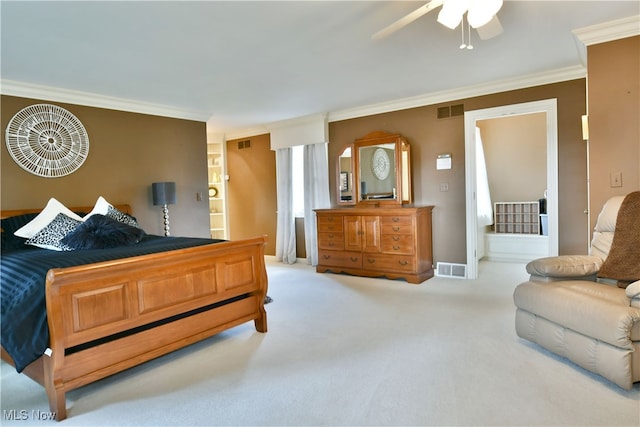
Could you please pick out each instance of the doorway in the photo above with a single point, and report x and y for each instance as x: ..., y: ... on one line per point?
x: 549, y: 108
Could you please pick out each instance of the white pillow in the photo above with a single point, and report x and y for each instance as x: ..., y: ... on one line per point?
x: 44, y: 218
x: 101, y: 207
x: 51, y: 236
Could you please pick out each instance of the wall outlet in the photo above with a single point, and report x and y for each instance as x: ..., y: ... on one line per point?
x: 444, y: 186
x: 615, y: 179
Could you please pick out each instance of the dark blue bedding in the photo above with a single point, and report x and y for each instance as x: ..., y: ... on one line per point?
x: 25, y: 333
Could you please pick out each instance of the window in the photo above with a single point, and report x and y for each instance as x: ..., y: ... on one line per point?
x: 297, y: 175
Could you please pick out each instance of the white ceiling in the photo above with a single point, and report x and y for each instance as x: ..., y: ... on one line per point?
x: 241, y: 64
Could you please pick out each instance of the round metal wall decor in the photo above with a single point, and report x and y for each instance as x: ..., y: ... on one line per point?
x: 47, y: 140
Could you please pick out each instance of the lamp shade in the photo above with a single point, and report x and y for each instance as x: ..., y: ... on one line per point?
x: 164, y: 193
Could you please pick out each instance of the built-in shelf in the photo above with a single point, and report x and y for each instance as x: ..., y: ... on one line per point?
x: 217, y: 189
x: 517, y: 217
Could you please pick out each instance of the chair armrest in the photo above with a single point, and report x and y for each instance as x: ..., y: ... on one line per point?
x: 633, y: 290
x: 564, y: 267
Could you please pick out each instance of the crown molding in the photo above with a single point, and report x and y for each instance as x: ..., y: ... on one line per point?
x: 269, y: 127
x: 246, y: 132
x: 609, y: 31
x: 48, y: 93
x: 555, y: 76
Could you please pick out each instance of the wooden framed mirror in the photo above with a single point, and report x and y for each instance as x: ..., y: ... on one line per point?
x: 382, y: 170
x: 346, y: 192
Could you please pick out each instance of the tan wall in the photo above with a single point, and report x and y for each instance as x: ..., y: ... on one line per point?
x: 430, y: 136
x: 252, y: 190
x: 515, y: 150
x: 128, y: 152
x: 613, y: 72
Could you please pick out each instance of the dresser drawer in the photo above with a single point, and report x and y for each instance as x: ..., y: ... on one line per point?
x: 401, y: 244
x: 331, y: 240
x: 329, y: 223
x: 340, y: 259
x: 391, y: 263
x: 396, y: 224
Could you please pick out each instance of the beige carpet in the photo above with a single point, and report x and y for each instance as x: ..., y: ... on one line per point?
x: 345, y: 350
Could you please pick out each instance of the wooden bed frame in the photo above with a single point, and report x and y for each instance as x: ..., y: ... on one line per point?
x: 109, y: 316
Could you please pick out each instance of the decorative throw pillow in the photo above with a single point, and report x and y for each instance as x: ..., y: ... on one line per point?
x: 10, y: 225
x: 122, y: 217
x: 44, y: 218
x: 13, y: 223
x: 50, y: 236
x: 102, y: 232
x: 103, y: 207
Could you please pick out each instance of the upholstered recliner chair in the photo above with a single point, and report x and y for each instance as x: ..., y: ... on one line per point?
x: 586, y: 308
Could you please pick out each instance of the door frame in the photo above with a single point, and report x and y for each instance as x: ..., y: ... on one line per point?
x: 548, y: 106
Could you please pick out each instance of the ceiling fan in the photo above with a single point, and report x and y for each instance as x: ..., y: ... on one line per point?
x: 481, y: 15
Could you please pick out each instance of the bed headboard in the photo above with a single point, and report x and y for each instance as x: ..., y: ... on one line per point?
x: 13, y: 212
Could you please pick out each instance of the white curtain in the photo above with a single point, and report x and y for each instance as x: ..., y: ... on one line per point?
x: 485, y: 208
x: 286, y: 230
x: 316, y: 194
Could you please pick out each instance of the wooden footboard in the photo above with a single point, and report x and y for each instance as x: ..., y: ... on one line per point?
x: 109, y: 316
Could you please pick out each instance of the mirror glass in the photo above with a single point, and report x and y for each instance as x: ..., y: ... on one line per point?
x: 377, y: 172
x: 346, y: 192
x: 405, y: 165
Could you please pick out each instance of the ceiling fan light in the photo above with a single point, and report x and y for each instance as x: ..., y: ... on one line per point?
x: 481, y: 11
x: 492, y: 6
x: 449, y: 19
x: 452, y: 11
x: 478, y: 19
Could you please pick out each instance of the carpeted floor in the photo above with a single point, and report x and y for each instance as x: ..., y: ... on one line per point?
x: 352, y: 351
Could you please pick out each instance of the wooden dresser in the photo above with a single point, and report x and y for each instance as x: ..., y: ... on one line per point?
x: 394, y: 242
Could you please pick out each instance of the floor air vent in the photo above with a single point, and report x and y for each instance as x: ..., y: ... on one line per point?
x: 447, y: 269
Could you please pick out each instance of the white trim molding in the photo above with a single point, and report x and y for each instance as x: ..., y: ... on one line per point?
x: 531, y: 80
x: 605, y: 32
x: 548, y: 106
x: 48, y: 93
x: 246, y: 132
x: 609, y: 31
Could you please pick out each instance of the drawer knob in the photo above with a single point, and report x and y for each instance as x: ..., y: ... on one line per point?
x: 403, y: 263
x: 395, y: 228
x: 326, y: 256
x: 396, y: 248
x: 371, y: 260
x: 396, y: 238
x: 395, y: 219
x: 354, y: 258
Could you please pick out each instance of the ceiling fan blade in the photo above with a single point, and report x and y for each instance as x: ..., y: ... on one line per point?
x: 490, y: 29
x: 407, y: 19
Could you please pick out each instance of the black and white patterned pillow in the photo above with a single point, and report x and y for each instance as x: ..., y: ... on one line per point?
x: 121, y: 217
x: 50, y: 236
